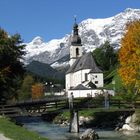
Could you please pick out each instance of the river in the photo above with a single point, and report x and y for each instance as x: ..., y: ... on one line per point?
x: 57, y: 132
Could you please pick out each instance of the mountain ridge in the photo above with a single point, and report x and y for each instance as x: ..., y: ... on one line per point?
x: 45, y: 70
x: 93, y: 33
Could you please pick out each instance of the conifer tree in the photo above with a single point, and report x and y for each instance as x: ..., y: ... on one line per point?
x: 105, y: 56
x: 11, y: 67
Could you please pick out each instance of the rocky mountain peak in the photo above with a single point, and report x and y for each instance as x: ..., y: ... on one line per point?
x: 37, y: 41
x: 93, y: 33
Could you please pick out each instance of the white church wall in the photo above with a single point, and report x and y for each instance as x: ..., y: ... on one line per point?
x: 97, y: 79
x: 77, y: 78
x: 84, y: 72
x: 84, y: 93
x: 73, y: 51
x: 73, y: 55
x: 67, y: 81
x: 73, y: 79
x: 89, y: 93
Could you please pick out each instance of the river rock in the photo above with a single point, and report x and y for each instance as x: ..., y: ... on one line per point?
x: 89, y: 134
x: 127, y: 127
x: 128, y: 119
x: 130, y: 124
x: 84, y: 120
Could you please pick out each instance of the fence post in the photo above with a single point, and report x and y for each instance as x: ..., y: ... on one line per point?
x: 119, y: 102
x: 55, y: 104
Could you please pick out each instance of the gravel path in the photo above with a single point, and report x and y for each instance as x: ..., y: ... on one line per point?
x: 2, y: 137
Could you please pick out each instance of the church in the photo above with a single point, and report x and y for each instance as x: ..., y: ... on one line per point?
x: 83, y: 78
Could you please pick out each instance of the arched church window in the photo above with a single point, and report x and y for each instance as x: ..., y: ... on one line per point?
x: 77, y: 51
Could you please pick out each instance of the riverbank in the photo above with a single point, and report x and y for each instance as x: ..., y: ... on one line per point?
x: 97, y: 118
x: 10, y: 131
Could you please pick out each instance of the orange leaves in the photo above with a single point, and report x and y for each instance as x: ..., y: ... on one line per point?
x: 129, y: 55
x: 128, y: 75
x: 37, y: 91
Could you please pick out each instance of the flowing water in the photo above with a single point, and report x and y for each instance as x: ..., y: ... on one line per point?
x: 56, y: 132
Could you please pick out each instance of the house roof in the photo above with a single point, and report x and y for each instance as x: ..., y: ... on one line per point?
x: 91, y: 85
x: 80, y: 87
x: 85, y: 62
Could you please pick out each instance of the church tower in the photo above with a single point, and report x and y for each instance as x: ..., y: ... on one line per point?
x: 76, y: 46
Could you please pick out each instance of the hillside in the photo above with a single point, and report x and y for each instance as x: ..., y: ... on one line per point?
x: 45, y: 70
x: 113, y: 81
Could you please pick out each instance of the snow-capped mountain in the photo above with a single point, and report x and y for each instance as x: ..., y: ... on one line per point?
x: 48, y: 52
x: 93, y: 33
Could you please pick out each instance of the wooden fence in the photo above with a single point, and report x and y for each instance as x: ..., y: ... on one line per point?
x: 54, y: 104
x: 100, y: 103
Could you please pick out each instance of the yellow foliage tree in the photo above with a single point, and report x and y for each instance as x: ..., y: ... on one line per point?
x: 37, y: 91
x: 129, y: 57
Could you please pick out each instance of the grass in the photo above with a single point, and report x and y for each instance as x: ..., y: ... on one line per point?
x: 14, y: 132
x: 87, y: 112
x: 115, y: 77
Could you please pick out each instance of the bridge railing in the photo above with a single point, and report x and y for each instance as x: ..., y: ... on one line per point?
x: 60, y: 103
x: 41, y: 101
x: 80, y: 102
x: 100, y: 103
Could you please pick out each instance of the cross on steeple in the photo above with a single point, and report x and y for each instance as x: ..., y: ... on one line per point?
x: 75, y: 18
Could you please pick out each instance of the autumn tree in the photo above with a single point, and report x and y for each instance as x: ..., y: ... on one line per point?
x: 37, y: 91
x: 129, y: 57
x: 11, y: 67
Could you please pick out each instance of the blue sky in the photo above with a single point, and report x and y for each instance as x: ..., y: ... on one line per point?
x: 52, y: 19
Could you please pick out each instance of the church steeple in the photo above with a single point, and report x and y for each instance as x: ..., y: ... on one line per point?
x: 76, y: 40
x: 76, y: 46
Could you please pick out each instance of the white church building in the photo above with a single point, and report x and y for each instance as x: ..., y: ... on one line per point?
x: 83, y: 78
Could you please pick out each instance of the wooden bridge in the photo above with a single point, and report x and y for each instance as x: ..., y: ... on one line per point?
x: 57, y: 104
x: 34, y: 107
x: 10, y: 110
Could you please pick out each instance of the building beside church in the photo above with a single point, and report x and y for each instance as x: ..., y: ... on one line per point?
x: 83, y: 78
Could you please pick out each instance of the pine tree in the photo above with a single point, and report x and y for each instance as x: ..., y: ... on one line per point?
x: 11, y: 67
x: 105, y: 56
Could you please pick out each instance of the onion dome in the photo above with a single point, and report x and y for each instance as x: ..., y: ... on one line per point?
x: 76, y: 40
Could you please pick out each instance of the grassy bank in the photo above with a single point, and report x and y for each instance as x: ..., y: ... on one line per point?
x: 91, y: 112
x: 100, y: 117
x: 14, y: 132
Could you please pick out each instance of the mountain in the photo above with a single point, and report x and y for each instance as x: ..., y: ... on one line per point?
x: 44, y: 70
x: 93, y: 33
